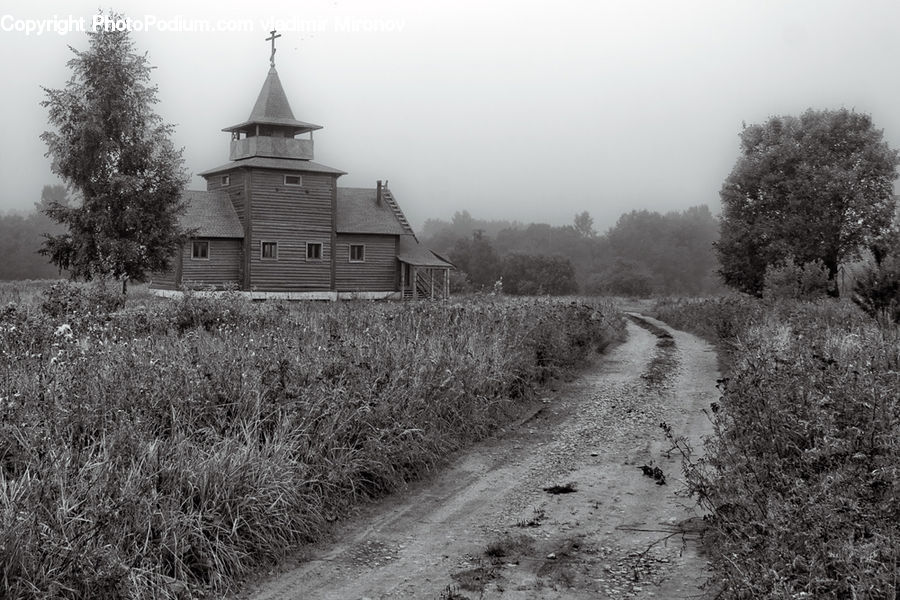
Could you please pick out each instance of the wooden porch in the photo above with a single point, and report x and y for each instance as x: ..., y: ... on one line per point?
x: 424, y: 282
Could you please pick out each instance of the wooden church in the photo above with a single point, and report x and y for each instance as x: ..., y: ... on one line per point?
x: 275, y: 224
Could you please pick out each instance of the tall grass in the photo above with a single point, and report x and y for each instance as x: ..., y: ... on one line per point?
x: 167, y: 450
x: 801, y: 477
x: 22, y: 292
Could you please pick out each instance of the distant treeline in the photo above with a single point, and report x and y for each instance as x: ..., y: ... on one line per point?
x: 21, y: 237
x: 646, y: 252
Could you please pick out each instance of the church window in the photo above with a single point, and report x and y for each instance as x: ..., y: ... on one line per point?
x: 200, y: 250
x: 314, y: 251
x: 268, y: 250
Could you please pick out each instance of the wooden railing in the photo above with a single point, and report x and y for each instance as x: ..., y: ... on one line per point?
x: 429, y: 285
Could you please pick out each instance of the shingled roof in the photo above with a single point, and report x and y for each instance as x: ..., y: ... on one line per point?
x: 264, y: 162
x: 272, y: 108
x: 358, y: 211
x: 414, y: 253
x: 210, y: 214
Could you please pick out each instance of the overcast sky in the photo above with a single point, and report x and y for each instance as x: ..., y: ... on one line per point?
x: 520, y: 110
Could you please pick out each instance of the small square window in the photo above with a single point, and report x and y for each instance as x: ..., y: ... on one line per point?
x: 200, y: 250
x: 314, y: 251
x: 293, y: 180
x: 269, y: 250
x: 226, y: 180
x: 357, y: 253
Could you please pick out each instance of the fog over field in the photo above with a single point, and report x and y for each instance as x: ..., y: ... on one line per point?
x: 531, y: 111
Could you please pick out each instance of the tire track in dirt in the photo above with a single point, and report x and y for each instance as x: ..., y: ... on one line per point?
x: 606, y: 539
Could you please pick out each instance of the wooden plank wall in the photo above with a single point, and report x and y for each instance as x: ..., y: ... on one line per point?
x: 164, y: 280
x: 378, y: 273
x: 234, y: 191
x: 223, y: 265
x: 291, y: 216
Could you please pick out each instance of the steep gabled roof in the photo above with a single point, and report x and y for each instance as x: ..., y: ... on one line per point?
x: 264, y: 162
x: 272, y: 108
x: 414, y: 253
x: 210, y: 214
x: 358, y: 211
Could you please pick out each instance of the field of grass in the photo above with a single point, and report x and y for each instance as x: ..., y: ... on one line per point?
x: 802, y: 476
x: 169, y: 448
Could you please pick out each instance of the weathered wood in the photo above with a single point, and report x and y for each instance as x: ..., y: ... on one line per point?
x: 178, y: 267
x: 403, y: 268
x: 238, y: 191
x: 333, y: 285
x: 379, y: 270
x: 165, y: 280
x: 222, y: 266
x: 275, y: 147
x: 292, y: 216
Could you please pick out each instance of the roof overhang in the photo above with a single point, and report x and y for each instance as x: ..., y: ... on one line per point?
x: 276, y: 164
x: 412, y: 252
x: 295, y: 125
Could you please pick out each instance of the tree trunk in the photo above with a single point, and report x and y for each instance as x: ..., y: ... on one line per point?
x: 831, y: 263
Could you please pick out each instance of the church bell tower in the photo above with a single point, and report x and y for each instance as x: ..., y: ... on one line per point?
x: 271, y: 131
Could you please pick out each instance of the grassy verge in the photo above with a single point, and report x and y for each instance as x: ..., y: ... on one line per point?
x: 801, y: 477
x: 166, y: 450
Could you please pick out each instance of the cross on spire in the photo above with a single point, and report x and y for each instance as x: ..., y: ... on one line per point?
x: 272, y: 38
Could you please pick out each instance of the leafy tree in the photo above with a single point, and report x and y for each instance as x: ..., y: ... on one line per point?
x: 877, y: 288
x: 50, y: 195
x: 647, y: 251
x: 624, y: 277
x: 798, y: 282
x: 477, y: 258
x: 114, y: 150
x: 21, y: 236
x: 817, y: 187
x: 442, y: 235
x: 584, y: 225
x: 538, y: 275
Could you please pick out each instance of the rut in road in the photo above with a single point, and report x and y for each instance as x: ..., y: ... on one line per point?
x: 486, y: 528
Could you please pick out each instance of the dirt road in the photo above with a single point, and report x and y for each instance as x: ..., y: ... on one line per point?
x: 487, y: 526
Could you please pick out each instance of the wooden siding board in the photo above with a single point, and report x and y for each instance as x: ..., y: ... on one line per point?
x: 307, y: 206
x: 238, y: 192
x: 333, y: 234
x: 291, y: 270
x: 223, y: 265
x: 291, y: 216
x: 247, y: 274
x: 235, y: 191
x: 164, y: 280
x: 377, y: 273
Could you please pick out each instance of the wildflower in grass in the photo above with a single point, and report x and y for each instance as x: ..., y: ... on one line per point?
x: 64, y: 331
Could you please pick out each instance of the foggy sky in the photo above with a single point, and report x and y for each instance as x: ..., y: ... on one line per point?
x: 531, y: 111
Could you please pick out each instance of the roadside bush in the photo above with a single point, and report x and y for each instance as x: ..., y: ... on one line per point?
x: 459, y: 282
x: 67, y: 298
x: 801, y: 477
x: 790, y: 281
x: 168, y: 451
x: 877, y: 290
x: 716, y: 319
